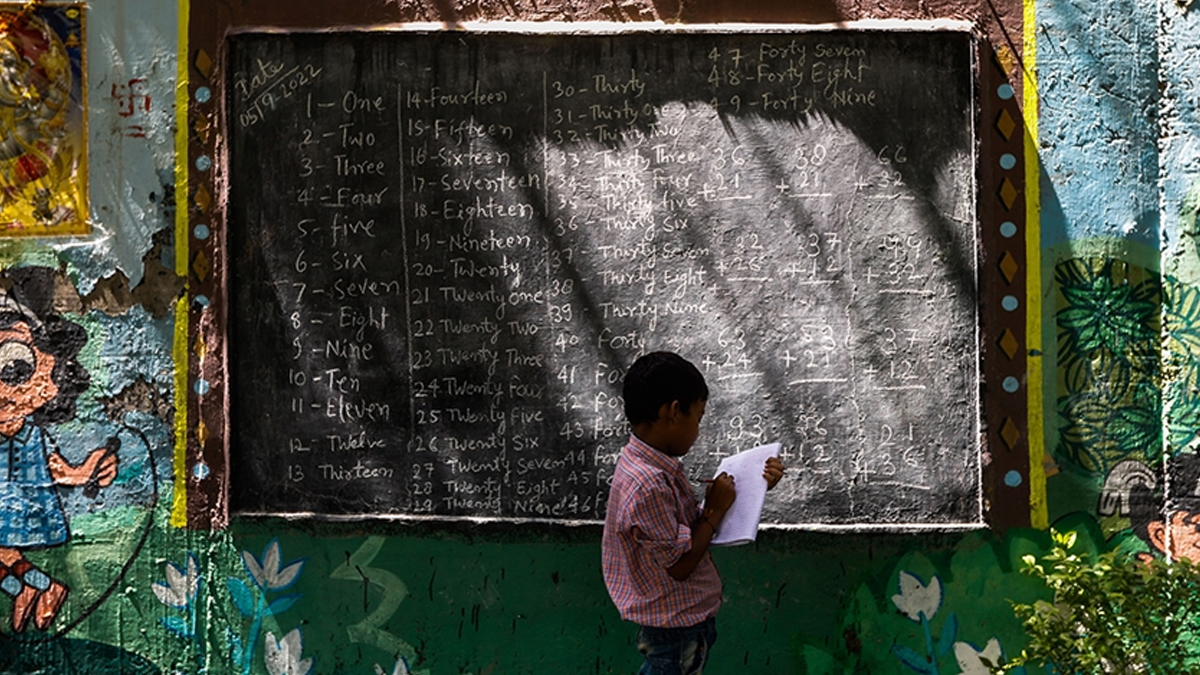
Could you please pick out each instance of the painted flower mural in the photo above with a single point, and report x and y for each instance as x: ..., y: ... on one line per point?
x: 920, y: 602
x: 284, y: 656
x: 179, y: 590
x: 400, y: 669
x: 268, y: 574
x: 181, y: 586
x: 917, y: 600
x: 973, y: 661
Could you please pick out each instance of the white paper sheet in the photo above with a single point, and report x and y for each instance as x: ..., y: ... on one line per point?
x: 740, y: 525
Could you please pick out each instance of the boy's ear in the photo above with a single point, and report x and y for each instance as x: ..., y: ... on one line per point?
x: 672, y: 411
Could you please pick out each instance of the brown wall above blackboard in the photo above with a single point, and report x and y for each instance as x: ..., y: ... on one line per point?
x: 446, y: 247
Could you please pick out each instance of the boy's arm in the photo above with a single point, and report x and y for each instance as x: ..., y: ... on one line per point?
x: 717, y: 501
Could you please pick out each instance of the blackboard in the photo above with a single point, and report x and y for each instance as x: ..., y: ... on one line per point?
x: 447, y: 246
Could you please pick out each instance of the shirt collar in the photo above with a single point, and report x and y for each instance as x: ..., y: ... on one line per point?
x: 647, y: 454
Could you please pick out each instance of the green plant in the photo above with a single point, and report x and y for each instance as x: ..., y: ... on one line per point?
x: 1111, y: 613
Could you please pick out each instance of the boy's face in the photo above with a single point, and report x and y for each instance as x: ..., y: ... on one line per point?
x: 683, y: 427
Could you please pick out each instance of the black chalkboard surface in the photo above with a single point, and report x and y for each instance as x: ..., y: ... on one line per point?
x: 446, y: 247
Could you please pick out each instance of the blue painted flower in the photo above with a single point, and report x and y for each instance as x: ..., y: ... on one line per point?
x: 917, y: 600
x: 267, y: 573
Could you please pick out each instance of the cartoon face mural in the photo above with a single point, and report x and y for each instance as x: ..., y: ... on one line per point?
x: 40, y: 380
x: 1179, y: 535
x: 1169, y: 526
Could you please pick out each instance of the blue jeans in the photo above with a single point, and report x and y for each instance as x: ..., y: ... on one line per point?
x: 676, y: 651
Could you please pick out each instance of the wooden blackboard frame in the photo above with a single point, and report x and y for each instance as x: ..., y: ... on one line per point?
x: 990, y: 259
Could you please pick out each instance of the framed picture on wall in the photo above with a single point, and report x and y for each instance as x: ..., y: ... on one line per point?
x: 43, y: 120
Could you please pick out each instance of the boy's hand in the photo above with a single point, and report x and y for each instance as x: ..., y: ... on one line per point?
x: 773, y: 471
x: 721, y: 494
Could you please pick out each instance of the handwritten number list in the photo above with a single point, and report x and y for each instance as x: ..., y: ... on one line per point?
x: 461, y: 244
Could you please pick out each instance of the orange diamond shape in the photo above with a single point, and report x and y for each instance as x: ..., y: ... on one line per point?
x: 201, y: 266
x: 200, y: 347
x: 1005, y: 124
x: 1008, y: 193
x: 202, y: 432
x: 203, y: 63
x: 1009, y: 433
x: 1004, y: 59
x: 1008, y: 343
x: 1009, y: 266
x: 202, y: 127
x: 203, y: 199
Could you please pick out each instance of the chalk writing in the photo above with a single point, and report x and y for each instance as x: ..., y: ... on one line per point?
x: 442, y: 270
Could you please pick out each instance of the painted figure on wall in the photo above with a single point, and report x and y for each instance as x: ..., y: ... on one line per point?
x: 40, y: 380
x: 1169, y: 526
x: 43, y: 179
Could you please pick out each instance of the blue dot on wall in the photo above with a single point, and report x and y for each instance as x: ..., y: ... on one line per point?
x: 200, y: 471
x: 203, y: 163
x: 1011, y: 384
x: 1005, y: 91
x: 1012, y: 479
x: 203, y: 94
x: 201, y: 387
x: 1007, y: 161
x: 1010, y: 303
x: 200, y: 231
x: 1008, y: 229
x: 201, y: 300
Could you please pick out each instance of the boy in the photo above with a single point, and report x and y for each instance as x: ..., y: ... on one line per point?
x: 656, y: 561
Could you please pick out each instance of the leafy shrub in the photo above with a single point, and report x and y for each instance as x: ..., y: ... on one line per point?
x: 1111, y: 613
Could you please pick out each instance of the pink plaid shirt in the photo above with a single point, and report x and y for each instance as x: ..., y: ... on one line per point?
x: 647, y: 528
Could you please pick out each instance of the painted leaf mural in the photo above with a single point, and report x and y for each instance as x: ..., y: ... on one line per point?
x: 1109, y: 406
x: 1181, y: 318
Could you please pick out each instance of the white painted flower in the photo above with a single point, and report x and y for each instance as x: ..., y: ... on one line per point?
x: 282, y: 657
x: 400, y: 669
x: 971, y: 660
x: 915, y: 599
x: 179, y: 590
x: 267, y: 572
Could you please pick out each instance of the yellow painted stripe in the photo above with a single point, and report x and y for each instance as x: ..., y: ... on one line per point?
x: 1039, y: 514
x: 179, y: 348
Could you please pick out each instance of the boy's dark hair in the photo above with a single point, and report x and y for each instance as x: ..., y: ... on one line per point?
x: 658, y: 379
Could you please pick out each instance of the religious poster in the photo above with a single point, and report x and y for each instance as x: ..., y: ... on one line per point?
x: 43, y: 127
